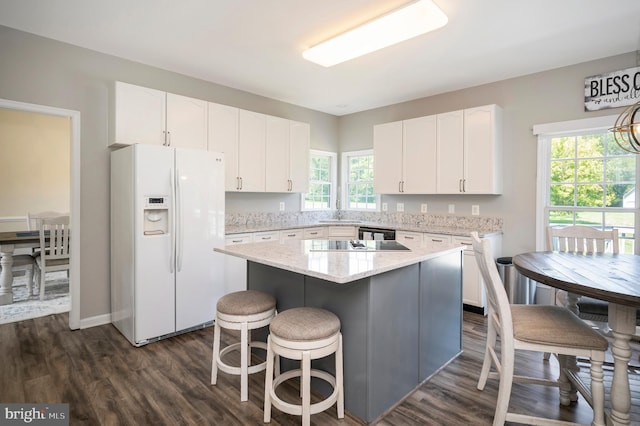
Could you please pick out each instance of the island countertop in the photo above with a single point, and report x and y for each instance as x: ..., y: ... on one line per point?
x: 336, y: 266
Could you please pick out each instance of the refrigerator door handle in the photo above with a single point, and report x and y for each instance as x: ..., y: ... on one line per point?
x: 172, y: 245
x: 179, y: 222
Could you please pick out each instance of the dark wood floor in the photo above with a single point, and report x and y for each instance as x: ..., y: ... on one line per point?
x: 107, y: 381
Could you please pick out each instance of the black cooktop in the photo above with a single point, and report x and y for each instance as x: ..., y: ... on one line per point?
x: 356, y: 245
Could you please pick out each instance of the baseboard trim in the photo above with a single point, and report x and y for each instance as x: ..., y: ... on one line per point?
x: 95, y: 321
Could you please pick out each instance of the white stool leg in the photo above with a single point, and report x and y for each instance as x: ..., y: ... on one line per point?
x: 268, y: 382
x: 216, y: 352
x: 305, y: 385
x: 244, y: 357
x: 340, y: 379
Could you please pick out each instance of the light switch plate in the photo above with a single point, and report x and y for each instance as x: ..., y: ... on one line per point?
x: 423, y: 208
x: 385, y: 207
x: 475, y: 210
x: 281, y: 206
x: 452, y: 208
x: 400, y: 207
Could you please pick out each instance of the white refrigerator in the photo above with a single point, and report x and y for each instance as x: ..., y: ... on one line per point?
x: 167, y: 216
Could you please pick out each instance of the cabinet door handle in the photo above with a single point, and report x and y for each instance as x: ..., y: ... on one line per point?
x: 236, y: 241
x: 266, y: 238
x: 436, y: 241
x: 313, y: 233
x: 290, y: 185
x: 460, y: 186
x: 464, y: 185
x: 240, y: 182
x: 399, y: 186
x: 406, y: 237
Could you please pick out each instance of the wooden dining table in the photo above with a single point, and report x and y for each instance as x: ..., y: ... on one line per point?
x: 614, y: 278
x: 9, y: 241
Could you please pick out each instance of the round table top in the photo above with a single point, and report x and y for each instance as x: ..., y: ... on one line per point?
x: 610, y: 277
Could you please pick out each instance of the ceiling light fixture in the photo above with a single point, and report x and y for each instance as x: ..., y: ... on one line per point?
x: 626, y: 130
x: 409, y: 21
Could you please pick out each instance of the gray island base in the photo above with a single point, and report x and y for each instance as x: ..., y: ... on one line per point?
x: 399, y: 326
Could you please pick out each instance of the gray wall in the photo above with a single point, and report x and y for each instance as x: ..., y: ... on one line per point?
x: 45, y: 72
x: 546, y: 97
x: 41, y: 71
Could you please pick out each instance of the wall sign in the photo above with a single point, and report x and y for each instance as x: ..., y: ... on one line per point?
x: 611, y: 90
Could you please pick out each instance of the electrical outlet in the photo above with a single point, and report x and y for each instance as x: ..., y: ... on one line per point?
x: 452, y: 208
x: 475, y: 210
x: 400, y: 207
x: 385, y: 207
x: 281, y: 206
x: 423, y: 208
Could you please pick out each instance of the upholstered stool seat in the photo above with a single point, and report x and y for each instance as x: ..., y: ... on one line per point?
x: 245, y: 311
x: 304, y: 334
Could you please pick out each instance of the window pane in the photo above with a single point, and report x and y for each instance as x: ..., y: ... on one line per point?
x: 563, y: 171
x: 587, y: 218
x: 560, y: 217
x: 563, y: 148
x: 590, y: 171
x: 590, y: 146
x: 562, y: 195
x: 590, y: 195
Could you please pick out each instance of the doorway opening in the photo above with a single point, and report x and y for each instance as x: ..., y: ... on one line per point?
x: 74, y: 193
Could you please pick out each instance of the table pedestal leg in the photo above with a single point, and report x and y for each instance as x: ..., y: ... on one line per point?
x: 622, y: 320
x: 6, y: 274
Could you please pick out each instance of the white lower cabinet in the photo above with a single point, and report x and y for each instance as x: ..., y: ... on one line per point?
x: 435, y: 241
x: 291, y: 234
x: 342, y: 232
x: 235, y: 268
x: 409, y: 239
x: 318, y: 233
x: 473, y: 291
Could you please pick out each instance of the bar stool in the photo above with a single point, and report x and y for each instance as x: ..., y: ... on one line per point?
x: 245, y: 311
x: 304, y: 334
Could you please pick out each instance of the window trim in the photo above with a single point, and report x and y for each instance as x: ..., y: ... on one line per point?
x: 545, y: 133
x: 344, y: 180
x: 333, y: 158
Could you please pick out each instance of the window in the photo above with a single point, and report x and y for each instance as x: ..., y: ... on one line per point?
x: 589, y: 180
x: 357, y: 178
x: 322, y: 181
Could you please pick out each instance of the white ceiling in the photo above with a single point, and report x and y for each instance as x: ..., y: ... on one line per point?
x: 256, y: 45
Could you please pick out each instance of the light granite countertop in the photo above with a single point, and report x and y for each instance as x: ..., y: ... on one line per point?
x: 430, y: 229
x: 336, y: 266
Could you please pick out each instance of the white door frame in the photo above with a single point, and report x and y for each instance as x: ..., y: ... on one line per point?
x: 74, y: 278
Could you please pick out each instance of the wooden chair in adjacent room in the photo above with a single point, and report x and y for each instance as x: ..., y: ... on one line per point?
x: 540, y: 328
x: 54, y: 253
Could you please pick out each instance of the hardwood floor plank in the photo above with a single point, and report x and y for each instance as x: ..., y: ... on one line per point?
x: 106, y: 381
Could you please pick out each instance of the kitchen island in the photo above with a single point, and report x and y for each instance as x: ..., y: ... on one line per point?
x: 401, y: 311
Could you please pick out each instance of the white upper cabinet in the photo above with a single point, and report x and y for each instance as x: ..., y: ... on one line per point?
x: 287, y: 158
x: 299, y: 146
x: 277, y: 155
x: 387, y: 158
x: 483, y: 150
x: 470, y: 151
x: 223, y: 137
x: 404, y: 153
x: 240, y: 135
x: 450, y: 152
x: 149, y: 116
x: 186, y: 122
x: 251, y: 151
x: 140, y: 115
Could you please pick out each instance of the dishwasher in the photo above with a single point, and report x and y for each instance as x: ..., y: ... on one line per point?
x: 374, y: 233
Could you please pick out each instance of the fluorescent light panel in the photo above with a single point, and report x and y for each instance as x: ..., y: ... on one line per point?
x: 409, y: 21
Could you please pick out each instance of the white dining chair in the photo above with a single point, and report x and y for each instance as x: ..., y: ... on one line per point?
x: 540, y: 328
x: 54, y: 253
